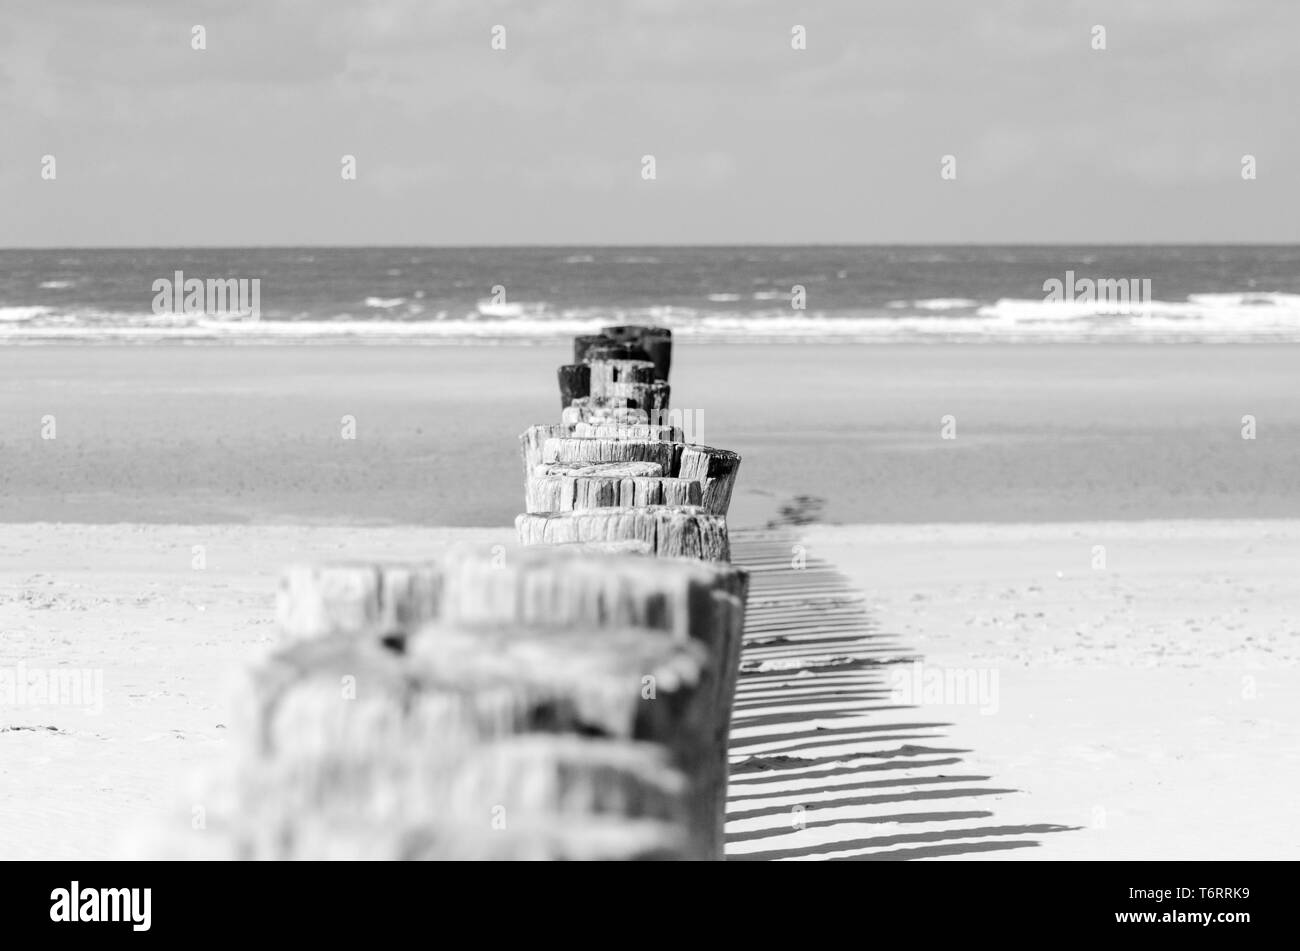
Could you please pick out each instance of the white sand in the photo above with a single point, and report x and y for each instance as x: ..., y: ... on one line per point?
x: 1122, y: 725
x: 1152, y: 703
x: 169, y: 639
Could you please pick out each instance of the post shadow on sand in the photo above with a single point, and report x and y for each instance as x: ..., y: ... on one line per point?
x: 808, y: 636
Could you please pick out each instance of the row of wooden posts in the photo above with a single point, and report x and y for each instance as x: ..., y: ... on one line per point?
x: 566, y: 699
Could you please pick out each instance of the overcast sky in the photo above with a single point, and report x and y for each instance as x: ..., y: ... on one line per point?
x: 754, y: 142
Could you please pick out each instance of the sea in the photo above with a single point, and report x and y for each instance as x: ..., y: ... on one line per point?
x: 756, y: 294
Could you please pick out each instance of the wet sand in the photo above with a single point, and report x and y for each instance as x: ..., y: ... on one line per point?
x: 255, y: 434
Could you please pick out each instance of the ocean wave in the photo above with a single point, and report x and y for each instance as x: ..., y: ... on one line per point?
x: 1217, y: 317
x: 56, y: 285
x: 511, y: 311
x: 306, y: 331
x: 945, y: 303
x: 20, y: 314
x: 934, y: 303
x: 1222, y: 313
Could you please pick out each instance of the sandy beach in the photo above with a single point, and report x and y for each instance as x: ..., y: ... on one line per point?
x: 171, y: 642
x: 141, y: 544
x: 1167, y: 676
x: 1141, y: 709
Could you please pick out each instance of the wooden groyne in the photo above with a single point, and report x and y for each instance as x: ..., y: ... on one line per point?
x: 566, y: 699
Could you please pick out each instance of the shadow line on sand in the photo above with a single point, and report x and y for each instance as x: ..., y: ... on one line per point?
x: 792, y: 795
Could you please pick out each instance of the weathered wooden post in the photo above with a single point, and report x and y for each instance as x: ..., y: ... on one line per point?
x: 584, y: 343
x: 606, y: 374
x: 571, y: 699
x: 547, y: 455
x: 575, y: 383
x: 613, y: 350
x: 346, y: 725
x: 657, y: 342
x: 679, y: 531
x: 492, y: 605
x: 715, y: 470
x: 357, y: 599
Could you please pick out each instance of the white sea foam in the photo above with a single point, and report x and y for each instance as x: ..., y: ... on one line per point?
x: 305, y: 331
x: 511, y: 310
x: 1229, y: 317
x: 945, y: 303
x: 19, y: 314
x: 1229, y: 313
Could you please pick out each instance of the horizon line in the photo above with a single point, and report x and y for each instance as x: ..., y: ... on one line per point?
x: 662, y: 246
